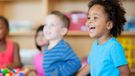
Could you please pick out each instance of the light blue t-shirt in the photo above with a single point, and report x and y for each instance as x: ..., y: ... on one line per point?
x: 105, y: 59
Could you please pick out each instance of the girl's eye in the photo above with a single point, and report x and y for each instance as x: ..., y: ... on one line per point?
x: 95, y: 18
x: 88, y: 18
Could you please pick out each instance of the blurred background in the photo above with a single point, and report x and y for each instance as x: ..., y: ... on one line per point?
x: 26, y: 15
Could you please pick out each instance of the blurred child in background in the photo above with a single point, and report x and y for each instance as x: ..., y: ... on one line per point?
x: 9, y: 50
x: 59, y: 58
x: 40, y: 43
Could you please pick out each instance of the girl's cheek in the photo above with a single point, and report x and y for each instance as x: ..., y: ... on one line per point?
x: 87, y: 22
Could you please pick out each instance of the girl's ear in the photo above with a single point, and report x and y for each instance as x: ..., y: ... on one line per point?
x: 64, y: 31
x: 109, y: 25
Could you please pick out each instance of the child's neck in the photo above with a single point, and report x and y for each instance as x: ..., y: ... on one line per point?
x: 2, y: 45
x: 43, y: 48
x: 2, y: 42
x: 52, y: 43
x: 103, y: 39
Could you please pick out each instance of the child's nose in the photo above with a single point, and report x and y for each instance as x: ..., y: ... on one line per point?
x: 46, y: 28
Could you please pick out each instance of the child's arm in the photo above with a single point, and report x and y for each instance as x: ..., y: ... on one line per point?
x: 70, y: 65
x: 84, y: 71
x: 124, y: 70
x: 119, y: 59
x: 17, y: 62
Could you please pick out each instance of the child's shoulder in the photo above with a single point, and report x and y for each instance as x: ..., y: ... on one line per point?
x: 115, y: 44
x: 111, y: 43
x: 13, y: 44
x: 65, y: 43
x: 114, y: 41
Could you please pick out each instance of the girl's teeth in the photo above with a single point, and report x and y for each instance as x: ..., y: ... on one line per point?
x: 92, y: 29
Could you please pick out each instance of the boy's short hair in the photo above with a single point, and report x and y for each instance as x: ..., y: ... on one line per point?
x: 5, y: 21
x: 63, y: 17
x: 115, y: 12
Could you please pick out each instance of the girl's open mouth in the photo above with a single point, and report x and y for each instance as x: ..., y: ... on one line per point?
x: 91, y: 29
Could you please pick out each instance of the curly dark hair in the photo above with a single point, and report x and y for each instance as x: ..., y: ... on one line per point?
x: 115, y: 12
x: 5, y: 21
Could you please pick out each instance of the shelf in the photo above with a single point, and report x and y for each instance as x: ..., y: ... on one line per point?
x: 32, y: 33
x: 17, y: 0
x: 26, y: 33
x: 70, y: 5
x: 70, y: 33
x: 80, y: 33
x: 77, y: 33
x: 128, y: 34
x: 35, y: 10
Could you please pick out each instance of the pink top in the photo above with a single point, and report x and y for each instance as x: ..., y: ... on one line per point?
x: 6, y: 56
x: 38, y: 60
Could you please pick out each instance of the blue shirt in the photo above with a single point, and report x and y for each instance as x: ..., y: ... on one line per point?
x: 60, y: 60
x: 105, y: 59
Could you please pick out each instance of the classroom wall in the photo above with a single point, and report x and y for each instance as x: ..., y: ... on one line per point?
x: 1, y: 8
x: 24, y: 10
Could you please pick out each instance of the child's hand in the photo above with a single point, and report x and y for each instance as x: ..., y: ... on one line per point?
x: 84, y: 71
x: 9, y: 66
x: 28, y: 70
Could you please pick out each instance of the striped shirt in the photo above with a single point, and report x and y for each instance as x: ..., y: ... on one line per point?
x: 60, y: 60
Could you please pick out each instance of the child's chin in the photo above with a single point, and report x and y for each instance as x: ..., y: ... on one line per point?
x: 92, y: 36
